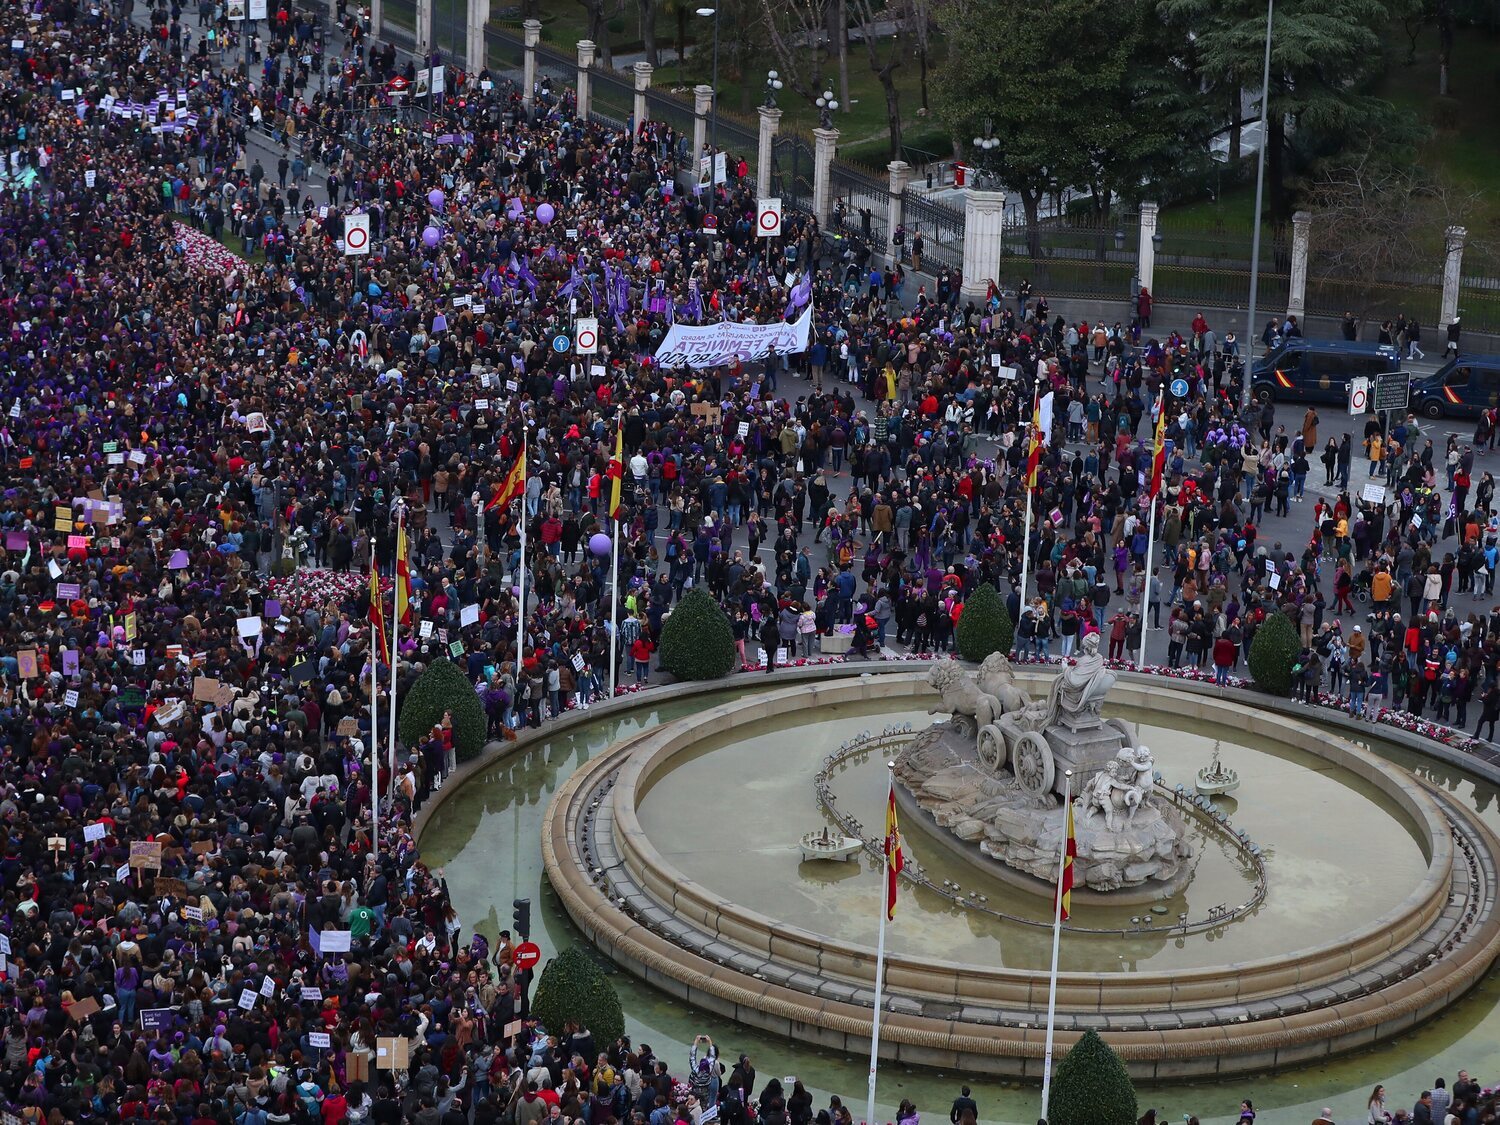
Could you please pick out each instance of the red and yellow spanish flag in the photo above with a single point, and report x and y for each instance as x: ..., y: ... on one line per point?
x: 894, y: 860
x: 1034, y: 451
x: 1159, y: 452
x: 1065, y: 881
x: 403, y: 578
x: 377, y: 612
x: 513, y: 487
x: 616, y: 472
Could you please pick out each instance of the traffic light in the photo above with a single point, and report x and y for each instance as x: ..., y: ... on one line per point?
x: 521, y: 912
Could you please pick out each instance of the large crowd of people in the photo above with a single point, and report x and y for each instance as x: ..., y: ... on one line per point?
x: 214, y: 419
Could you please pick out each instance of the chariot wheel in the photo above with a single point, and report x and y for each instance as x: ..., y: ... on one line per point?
x: 991, y: 747
x: 1031, y: 761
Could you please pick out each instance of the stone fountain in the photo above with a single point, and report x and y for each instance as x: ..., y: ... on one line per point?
x: 991, y: 779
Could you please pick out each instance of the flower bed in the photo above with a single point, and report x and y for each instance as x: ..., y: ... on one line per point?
x: 318, y: 588
x: 205, y: 254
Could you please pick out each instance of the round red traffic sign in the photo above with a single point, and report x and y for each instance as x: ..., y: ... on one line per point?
x: 770, y: 220
x: 528, y: 953
x: 1358, y: 400
x: 356, y: 237
x: 586, y: 339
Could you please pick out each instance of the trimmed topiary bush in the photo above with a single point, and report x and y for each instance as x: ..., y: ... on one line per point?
x: 985, y: 626
x: 444, y: 687
x: 574, y: 988
x: 1273, y: 651
x: 697, y: 641
x: 1091, y: 1086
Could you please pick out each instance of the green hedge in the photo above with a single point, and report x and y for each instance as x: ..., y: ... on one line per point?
x: 985, y: 626
x: 697, y: 641
x: 444, y: 687
x: 1091, y: 1086
x: 574, y: 988
x: 1273, y: 651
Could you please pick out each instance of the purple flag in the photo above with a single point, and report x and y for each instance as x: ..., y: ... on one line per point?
x: 801, y: 295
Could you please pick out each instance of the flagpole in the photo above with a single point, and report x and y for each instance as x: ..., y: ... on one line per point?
x: 885, y: 909
x: 1140, y: 659
x: 614, y: 602
x: 1062, y: 862
x: 521, y: 570
x: 1025, y: 549
x: 395, y: 641
x: 375, y: 655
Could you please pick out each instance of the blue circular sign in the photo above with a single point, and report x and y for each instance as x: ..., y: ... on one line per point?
x: 561, y: 343
x: 1179, y: 388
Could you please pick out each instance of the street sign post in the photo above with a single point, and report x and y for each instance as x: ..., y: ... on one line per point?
x: 1392, y: 390
x: 527, y: 954
x: 1359, y: 396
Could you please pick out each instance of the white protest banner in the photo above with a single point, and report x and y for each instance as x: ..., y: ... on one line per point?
x: 439, y: 79
x: 334, y: 941
x: 92, y: 832
x: 715, y: 345
x: 248, y: 997
x: 318, y: 1039
x: 1373, y: 493
x: 356, y: 234
x: 586, y: 335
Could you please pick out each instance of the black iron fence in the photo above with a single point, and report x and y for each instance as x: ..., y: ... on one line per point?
x: 1076, y: 249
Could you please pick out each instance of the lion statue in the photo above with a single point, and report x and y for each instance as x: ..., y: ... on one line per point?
x: 997, y: 679
x: 961, y: 696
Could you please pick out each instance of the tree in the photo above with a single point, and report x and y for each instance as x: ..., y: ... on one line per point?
x: 647, y: 10
x: 796, y: 30
x: 573, y: 989
x: 1376, y: 223
x: 443, y: 687
x: 1272, y: 654
x: 1325, y: 55
x: 1056, y: 82
x: 984, y: 627
x: 1091, y: 1086
x: 697, y: 641
x: 599, y: 29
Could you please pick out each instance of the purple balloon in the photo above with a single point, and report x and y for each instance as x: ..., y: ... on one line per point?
x: 599, y: 544
x: 436, y: 198
x: 545, y: 214
x: 431, y: 237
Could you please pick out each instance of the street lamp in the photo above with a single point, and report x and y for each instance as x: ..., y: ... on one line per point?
x: 713, y: 144
x: 826, y: 104
x: 773, y: 83
x: 1260, y: 185
x: 985, y: 144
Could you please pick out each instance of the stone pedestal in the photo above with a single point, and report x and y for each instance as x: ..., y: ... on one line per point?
x: 1145, y: 263
x: 586, y: 49
x: 984, y: 233
x: 476, y: 57
x: 895, y: 216
x: 423, y: 34
x: 770, y: 122
x: 643, y: 72
x: 1296, y: 301
x: 703, y: 100
x: 826, y: 144
x: 532, y: 32
x: 1453, y: 272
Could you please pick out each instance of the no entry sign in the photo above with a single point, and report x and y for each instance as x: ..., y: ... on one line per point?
x: 528, y: 953
x: 357, y: 234
x: 768, y: 218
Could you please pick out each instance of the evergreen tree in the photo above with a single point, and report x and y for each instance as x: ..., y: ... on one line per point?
x: 1091, y: 1086
x: 984, y: 627
x: 441, y: 687
x: 697, y: 641
x: 1273, y: 651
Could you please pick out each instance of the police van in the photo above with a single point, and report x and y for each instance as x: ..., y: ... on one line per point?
x: 1319, y: 370
x: 1462, y: 388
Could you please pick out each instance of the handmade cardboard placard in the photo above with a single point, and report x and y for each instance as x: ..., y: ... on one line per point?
x: 81, y: 1010
x: 145, y: 853
x: 391, y: 1053
x: 357, y: 1066
x: 348, y: 727
x: 205, y: 689
x: 203, y: 847
x: 319, y: 1039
